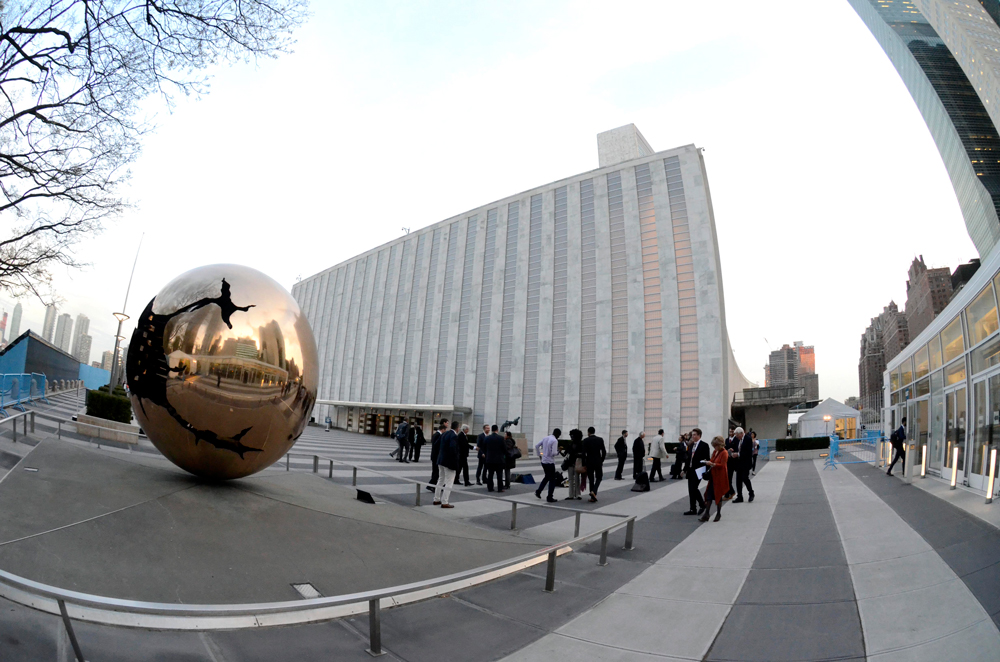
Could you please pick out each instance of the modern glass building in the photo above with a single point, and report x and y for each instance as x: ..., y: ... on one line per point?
x: 936, y: 68
x: 593, y: 300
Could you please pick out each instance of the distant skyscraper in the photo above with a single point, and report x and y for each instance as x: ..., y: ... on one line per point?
x: 107, y: 360
x: 49, y: 327
x: 64, y: 333
x: 793, y: 366
x: 15, y: 322
x: 928, y: 291
x: 923, y: 38
x: 80, y: 329
x: 83, y: 351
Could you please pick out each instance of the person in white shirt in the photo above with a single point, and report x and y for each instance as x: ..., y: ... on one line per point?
x: 548, y: 449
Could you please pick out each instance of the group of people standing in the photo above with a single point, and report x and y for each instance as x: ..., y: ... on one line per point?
x: 736, y: 455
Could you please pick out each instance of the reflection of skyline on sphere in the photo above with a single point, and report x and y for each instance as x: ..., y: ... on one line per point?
x: 222, y: 371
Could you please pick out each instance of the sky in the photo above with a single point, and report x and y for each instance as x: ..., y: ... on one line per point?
x: 825, y: 180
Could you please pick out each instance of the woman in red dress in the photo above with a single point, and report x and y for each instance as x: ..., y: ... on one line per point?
x: 718, y: 479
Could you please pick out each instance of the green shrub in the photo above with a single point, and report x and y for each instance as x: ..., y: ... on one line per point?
x: 801, y: 444
x: 119, y: 390
x: 112, y: 407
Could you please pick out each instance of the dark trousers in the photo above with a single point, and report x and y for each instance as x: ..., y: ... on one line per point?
x: 550, y: 479
x: 636, y: 467
x: 656, y: 468
x: 491, y: 471
x: 621, y: 466
x: 463, y: 466
x: 415, y: 452
x: 676, y: 468
x: 480, y: 470
x: 732, y: 470
x: 743, y: 478
x: 595, y: 476
x: 694, y: 494
x: 434, y: 473
x: 753, y: 463
x: 899, y: 454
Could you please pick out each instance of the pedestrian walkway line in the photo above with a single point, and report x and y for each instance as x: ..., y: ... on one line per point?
x: 674, y: 609
x: 912, y: 604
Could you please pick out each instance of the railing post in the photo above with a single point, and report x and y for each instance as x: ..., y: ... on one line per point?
x: 315, y: 464
x: 576, y: 525
x: 25, y: 418
x: 513, y: 516
x: 604, y: 549
x: 288, y: 462
x: 331, y: 468
x: 354, y: 482
x: 374, y: 628
x: 14, y: 425
x: 58, y: 429
x: 550, y: 573
x: 418, y: 490
x: 32, y: 422
x: 629, y: 530
x: 69, y: 630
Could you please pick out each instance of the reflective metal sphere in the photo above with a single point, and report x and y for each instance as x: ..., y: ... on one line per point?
x: 221, y: 371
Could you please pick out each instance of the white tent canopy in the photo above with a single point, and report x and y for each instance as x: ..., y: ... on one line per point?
x: 843, y: 420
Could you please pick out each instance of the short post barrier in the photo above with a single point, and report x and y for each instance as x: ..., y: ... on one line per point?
x: 315, y: 464
x: 550, y: 573
x: 374, y: 628
x: 629, y: 531
x: 58, y: 429
x: 32, y: 422
x: 69, y: 630
x: 13, y: 424
x: 331, y: 468
x: 288, y: 462
x: 576, y: 525
x: 418, y: 494
x: 25, y: 419
x: 513, y: 516
x: 354, y: 481
x: 604, y: 549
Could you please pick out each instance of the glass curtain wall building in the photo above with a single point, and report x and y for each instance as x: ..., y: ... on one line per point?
x: 594, y: 300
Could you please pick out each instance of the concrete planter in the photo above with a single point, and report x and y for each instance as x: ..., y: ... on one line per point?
x: 102, y: 428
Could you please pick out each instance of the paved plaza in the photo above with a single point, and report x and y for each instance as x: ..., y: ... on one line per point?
x: 843, y: 564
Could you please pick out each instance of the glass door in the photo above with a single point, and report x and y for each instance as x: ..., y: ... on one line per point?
x: 936, y: 445
x: 986, y: 402
x: 955, y: 409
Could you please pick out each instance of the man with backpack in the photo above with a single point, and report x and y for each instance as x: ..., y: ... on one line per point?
x: 898, y: 441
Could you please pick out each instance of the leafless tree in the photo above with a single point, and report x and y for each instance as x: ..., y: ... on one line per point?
x: 73, y: 77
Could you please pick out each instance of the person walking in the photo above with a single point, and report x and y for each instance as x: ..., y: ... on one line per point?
x: 898, y: 441
x: 400, y: 435
x: 547, y: 449
x: 447, y: 462
x: 621, y: 449
x: 732, y: 447
x: 696, y: 460
x: 496, y: 459
x: 638, y: 455
x: 680, y: 456
x: 657, y: 451
x: 718, y: 475
x: 481, y: 455
x: 743, y: 460
x: 756, y: 451
x: 510, y: 459
x: 416, y: 441
x: 594, y: 453
x: 463, y: 456
x: 574, y: 463
x: 435, y: 445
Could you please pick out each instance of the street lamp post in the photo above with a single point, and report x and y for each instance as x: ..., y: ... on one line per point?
x: 827, y: 418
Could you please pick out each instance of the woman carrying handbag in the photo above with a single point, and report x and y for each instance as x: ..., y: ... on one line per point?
x: 718, y: 479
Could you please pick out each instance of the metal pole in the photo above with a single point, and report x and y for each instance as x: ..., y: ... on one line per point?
x: 331, y: 468
x: 114, y: 359
x: 25, y: 419
x: 69, y: 630
x: 58, y: 429
x: 513, y: 516
x: 629, y: 530
x: 315, y: 464
x: 13, y: 424
x: 32, y: 422
x: 354, y: 480
x: 288, y: 462
x: 550, y: 573
x: 374, y: 628
x: 418, y: 492
x: 604, y: 549
x: 576, y: 525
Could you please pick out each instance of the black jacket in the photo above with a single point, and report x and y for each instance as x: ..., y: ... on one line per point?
x: 463, y: 445
x: 681, y: 454
x: 621, y: 446
x: 638, y: 448
x: 745, y: 460
x: 594, y: 452
x: 699, y: 454
x: 447, y: 454
x: 496, y: 450
x: 435, y: 444
x: 509, y: 444
x: 481, y: 445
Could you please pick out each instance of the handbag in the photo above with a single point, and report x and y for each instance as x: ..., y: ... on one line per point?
x: 514, y: 453
x: 580, y: 469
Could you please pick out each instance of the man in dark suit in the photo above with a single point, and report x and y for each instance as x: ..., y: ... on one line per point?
x: 744, y: 458
x: 638, y: 455
x: 496, y: 459
x: 621, y: 448
x: 594, y: 453
x: 898, y: 439
x: 732, y: 446
x: 447, y: 460
x: 463, y: 456
x: 696, y: 460
x: 435, y: 445
x: 481, y: 455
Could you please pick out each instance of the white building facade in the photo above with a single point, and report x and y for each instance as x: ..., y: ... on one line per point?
x: 594, y: 300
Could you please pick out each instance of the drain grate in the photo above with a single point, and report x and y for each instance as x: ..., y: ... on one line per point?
x: 307, y: 590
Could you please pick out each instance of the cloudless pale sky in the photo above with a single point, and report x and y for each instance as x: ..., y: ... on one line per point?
x: 824, y: 179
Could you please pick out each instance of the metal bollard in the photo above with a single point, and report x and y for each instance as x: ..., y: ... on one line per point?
x: 418, y: 492
x: 576, y: 525
x: 288, y: 462
x: 513, y: 516
x: 25, y: 419
x: 374, y: 628
x: 315, y: 464
x: 354, y: 482
x: 604, y: 549
x: 331, y: 468
x: 32, y: 422
x: 629, y: 530
x: 58, y: 429
x: 550, y: 573
x: 13, y: 424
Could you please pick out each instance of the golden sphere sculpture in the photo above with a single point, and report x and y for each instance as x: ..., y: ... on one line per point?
x: 222, y: 371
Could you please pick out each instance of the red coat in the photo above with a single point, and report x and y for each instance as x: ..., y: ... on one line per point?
x: 719, y: 480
